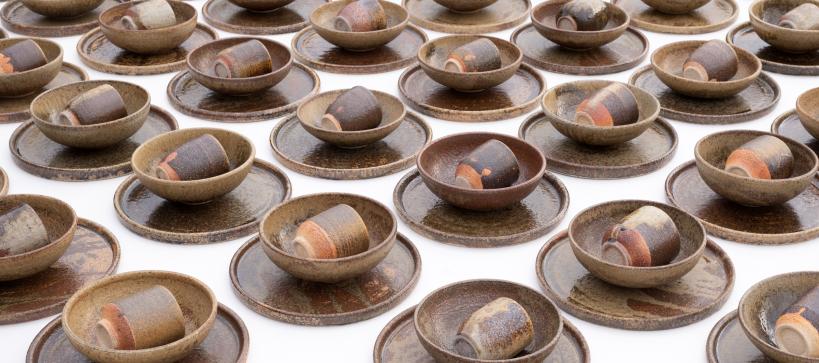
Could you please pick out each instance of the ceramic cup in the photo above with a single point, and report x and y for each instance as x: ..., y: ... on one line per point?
x: 676, y: 7
x: 807, y: 106
x: 149, y: 41
x: 544, y: 17
x: 765, y: 14
x: 322, y: 21
x: 434, y: 53
x: 24, y: 83
x: 200, y: 64
x: 61, y: 9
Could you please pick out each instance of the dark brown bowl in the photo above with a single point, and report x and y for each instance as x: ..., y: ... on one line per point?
x: 82, y: 311
x: 150, y: 41
x: 807, y: 106
x: 280, y: 224
x: 676, y: 7
x: 439, y: 316
x: 544, y: 17
x: 24, y: 83
x: 60, y: 222
x: 712, y: 151
x: 764, y: 302
x: 586, y: 232
x: 201, y: 59
x: 434, y: 53
x: 312, y: 110
x: 465, y: 6
x: 261, y: 6
x: 322, y: 21
x: 438, y: 160
x: 764, y: 15
x: 47, y: 107
x: 667, y: 62
x: 560, y: 103
x: 61, y: 8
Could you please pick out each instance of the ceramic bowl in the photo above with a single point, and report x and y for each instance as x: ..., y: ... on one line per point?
x: 765, y: 14
x: 312, y: 110
x: 587, y: 228
x: 712, y: 151
x: 465, y: 6
x: 544, y: 18
x: 439, y: 316
x: 322, y: 21
x: 667, y: 62
x: 280, y: 224
x: 764, y: 302
x: 807, y: 106
x: 676, y: 7
x: 261, y: 5
x: 61, y: 8
x: 439, y: 159
x: 47, y: 107
x: 82, y: 311
x: 560, y: 103
x: 200, y: 62
x: 60, y: 222
x: 434, y: 53
x: 240, y: 152
x: 26, y: 82
x: 150, y: 41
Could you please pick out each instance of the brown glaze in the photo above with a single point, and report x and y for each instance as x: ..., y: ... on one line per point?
x: 17, y: 109
x: 499, y: 330
x: 4, y: 182
x: 765, y: 157
x: 430, y: 216
x: 165, y: 36
x: 795, y: 330
x: 323, y: 21
x: 713, y: 16
x: 646, y: 237
x: 465, y: 7
x: 713, y: 61
x: 21, y: 230
x: 501, y: 15
x: 727, y: 343
x: 480, y: 55
x: 337, y: 232
x: 676, y: 6
x: 148, y: 15
x: 807, y: 106
x: 583, y: 15
x: 491, y: 165
x: 355, y: 109
x: 224, y: 15
x: 773, y: 60
x: 147, y: 318
x: 276, y: 294
x: 612, y: 105
x: 802, y: 17
x: 275, y: 63
x: 247, y: 59
x: 21, y: 56
x: 17, y: 17
x: 790, y: 125
x: 361, y: 16
x: 546, y: 20
x: 68, y: 9
x: 436, y: 56
x: 261, y: 6
x: 199, y: 158
x: 765, y: 16
x: 18, y: 84
x: 694, y: 297
x: 95, y: 106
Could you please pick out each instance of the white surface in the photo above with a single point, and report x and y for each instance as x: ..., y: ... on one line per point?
x: 274, y: 341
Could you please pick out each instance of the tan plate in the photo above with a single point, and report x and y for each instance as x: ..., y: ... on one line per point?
x: 716, y: 15
x: 227, y: 342
x: 35, y: 153
x: 272, y: 292
x: 398, y: 343
x: 503, y: 14
x: 19, y: 19
x: 727, y: 343
x: 312, y: 50
x: 754, y: 102
x: 224, y: 15
x: 626, y: 52
x: 705, y: 289
x: 788, y: 125
x: 648, y: 152
x: 517, y: 96
x: 773, y: 60
x: 794, y: 221
x: 299, y: 151
x: 236, y: 214
x: 431, y: 217
x: 16, y: 109
x: 98, y: 53
x: 4, y: 182
x: 194, y: 99
x: 92, y: 255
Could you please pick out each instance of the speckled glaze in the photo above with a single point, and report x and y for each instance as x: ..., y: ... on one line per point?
x: 430, y: 216
x: 322, y: 22
x: 501, y: 15
x: 99, y: 53
x: 261, y: 6
x: 713, y: 16
x: 807, y: 106
x: 790, y: 126
x: 727, y: 343
x: 149, y: 41
x: 81, y: 313
x: 786, y: 223
x: 544, y: 17
x: 274, y: 293
x: 230, y: 17
x: 433, y: 54
x: 764, y: 16
x: 773, y: 60
x: 439, y: 316
x: 676, y: 6
x: 227, y: 341
x: 20, y: 19
x: 200, y: 62
x: 93, y: 254
x: 20, y: 84
x: 17, y: 109
x: 61, y: 9
x: 4, y: 182
x: 194, y: 99
x: 694, y: 297
x: 756, y: 101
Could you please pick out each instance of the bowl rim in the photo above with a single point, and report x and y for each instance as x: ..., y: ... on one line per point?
x: 741, y: 53
x: 313, y: 18
x: 194, y: 69
x: 609, y: 5
x: 15, y: 40
x: 177, y: 26
x: 267, y: 242
x: 549, y: 344
x: 802, y: 108
x: 99, y: 82
x: 383, y: 127
x: 53, y: 241
x: 754, y: 16
x: 697, y: 254
x: 424, y: 60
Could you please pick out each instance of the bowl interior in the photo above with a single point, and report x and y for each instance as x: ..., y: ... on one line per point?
x: 111, y: 17
x: 314, y: 109
x: 48, y: 106
x: 545, y: 15
x: 51, y: 50
x: 715, y: 149
x: 56, y: 215
x: 201, y: 59
x: 562, y: 101
x: 435, y: 52
x: 808, y: 105
x: 323, y: 16
x: 671, y: 58
x: 770, y: 11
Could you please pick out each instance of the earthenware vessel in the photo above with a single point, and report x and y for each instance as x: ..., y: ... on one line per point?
x: 434, y: 53
x: 200, y: 64
x: 261, y: 6
x: 279, y: 226
x: 460, y: 6
x: 46, y: 108
x: 560, y: 103
x: 710, y: 17
x: 82, y: 312
x: 438, y: 160
x: 240, y: 153
x: 588, y: 227
x: 544, y: 17
x: 60, y: 222
x: 149, y: 41
x: 765, y: 16
x: 439, y: 316
x: 807, y: 106
x: 676, y: 6
x: 712, y: 151
x: 322, y: 21
x: 23, y: 83
x: 61, y: 9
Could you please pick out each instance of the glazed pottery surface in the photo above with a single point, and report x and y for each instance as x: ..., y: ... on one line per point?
x: 227, y: 16
x: 17, y: 109
x: 200, y: 65
x: 807, y: 106
x: 501, y: 15
x: 773, y: 60
x: 61, y: 9
x: 18, y: 18
x: 149, y: 41
x: 765, y: 14
x: 713, y: 16
x: 791, y: 126
x: 21, y: 84
x: 676, y: 6
x: 727, y: 343
x: 544, y: 18
x: 433, y: 54
x: 322, y: 21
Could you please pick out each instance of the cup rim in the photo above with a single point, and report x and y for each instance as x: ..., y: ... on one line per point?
x: 52, y: 241
x: 383, y: 127
x: 192, y: 68
x: 147, y: 105
x: 515, y: 63
x: 697, y: 42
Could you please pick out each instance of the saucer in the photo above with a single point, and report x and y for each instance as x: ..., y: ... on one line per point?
x: 501, y: 15
x: 790, y: 126
x: 16, y: 109
x: 226, y: 16
x: 773, y: 60
x: 18, y: 18
x: 716, y: 15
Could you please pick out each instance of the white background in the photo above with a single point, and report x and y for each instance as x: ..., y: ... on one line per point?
x: 442, y: 264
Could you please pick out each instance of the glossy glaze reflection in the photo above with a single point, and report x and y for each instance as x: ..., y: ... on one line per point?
x: 728, y: 343
x: 20, y: 19
x: 772, y: 59
x: 790, y: 126
x: 711, y: 17
x: 17, y: 109
x: 503, y: 14
x: 229, y: 17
